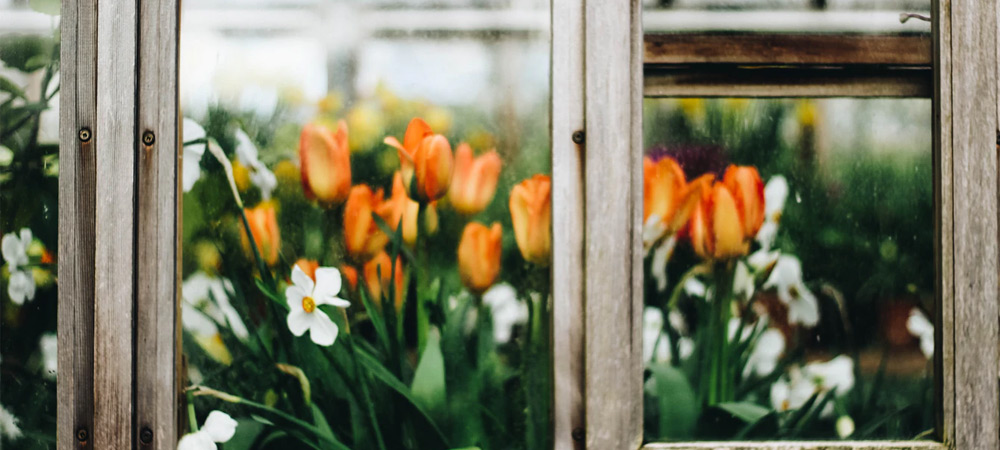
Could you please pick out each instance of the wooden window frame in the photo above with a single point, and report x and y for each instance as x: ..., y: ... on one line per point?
x: 120, y: 196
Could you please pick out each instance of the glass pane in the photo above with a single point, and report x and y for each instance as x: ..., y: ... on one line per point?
x: 29, y: 201
x: 789, y: 269
x: 391, y: 165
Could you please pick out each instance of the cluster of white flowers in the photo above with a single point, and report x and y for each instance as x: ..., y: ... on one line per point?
x: 796, y: 388
x: 246, y: 154
x: 656, y: 344
x: 506, y: 310
x: 218, y: 428
x: 14, y: 248
x: 923, y: 329
x: 8, y: 425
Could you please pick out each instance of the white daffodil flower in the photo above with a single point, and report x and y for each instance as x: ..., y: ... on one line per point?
x: 14, y: 248
x: 48, y: 344
x: 21, y: 286
x: 765, y: 354
x: 260, y: 175
x: 923, y: 329
x: 304, y: 299
x: 211, y: 295
x: 8, y: 425
x: 661, y: 255
x: 506, y: 310
x: 786, y: 277
x: 219, y: 427
x: 191, y: 170
x: 791, y: 392
x: 836, y: 375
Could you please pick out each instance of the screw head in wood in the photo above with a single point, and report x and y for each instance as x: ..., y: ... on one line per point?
x: 146, y: 435
x: 578, y: 434
x: 148, y: 137
x: 579, y: 136
x: 84, y: 134
x: 81, y: 434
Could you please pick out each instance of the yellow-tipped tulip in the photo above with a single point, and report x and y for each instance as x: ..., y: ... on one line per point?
x: 531, y: 215
x: 424, y: 158
x: 716, y: 228
x: 263, y: 221
x: 362, y: 237
x: 748, y: 190
x: 378, y: 275
x: 474, y: 181
x: 326, y: 163
x: 479, y: 256
x: 668, y: 199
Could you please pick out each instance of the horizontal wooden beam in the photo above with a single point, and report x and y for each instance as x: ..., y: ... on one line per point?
x: 788, y: 49
x: 739, y: 81
x: 794, y: 445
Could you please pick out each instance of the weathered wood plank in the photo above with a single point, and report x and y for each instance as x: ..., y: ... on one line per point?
x: 732, y: 81
x: 944, y: 362
x: 613, y: 70
x: 114, y: 137
x: 794, y: 445
x: 567, y: 223
x: 784, y: 48
x: 157, y: 350
x: 974, y: 184
x: 77, y: 184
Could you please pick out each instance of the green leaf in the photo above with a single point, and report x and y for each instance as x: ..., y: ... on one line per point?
x: 321, y: 424
x: 247, y: 431
x: 26, y: 53
x: 10, y: 87
x: 428, y: 380
x: 395, y: 236
x: 675, y: 401
x: 745, y: 411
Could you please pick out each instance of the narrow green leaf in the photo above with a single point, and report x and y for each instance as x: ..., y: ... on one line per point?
x: 745, y: 411
x: 428, y: 380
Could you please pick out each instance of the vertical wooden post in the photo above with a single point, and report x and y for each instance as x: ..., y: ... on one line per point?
x: 568, y: 148
x: 613, y: 165
x: 77, y: 195
x: 157, y: 221
x: 114, y: 138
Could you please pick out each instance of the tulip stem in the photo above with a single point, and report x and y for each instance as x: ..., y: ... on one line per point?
x: 423, y: 321
x: 720, y: 370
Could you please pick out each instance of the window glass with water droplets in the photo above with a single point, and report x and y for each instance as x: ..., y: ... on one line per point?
x: 366, y: 224
x: 29, y: 201
x: 789, y: 269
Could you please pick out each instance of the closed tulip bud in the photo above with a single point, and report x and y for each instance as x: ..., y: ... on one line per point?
x: 479, y: 256
x: 350, y: 275
x: 378, y: 275
x: 716, y: 228
x: 531, y: 216
x: 748, y: 190
x: 425, y: 159
x: 326, y: 163
x: 263, y: 221
x: 362, y: 237
x: 668, y: 199
x: 474, y: 181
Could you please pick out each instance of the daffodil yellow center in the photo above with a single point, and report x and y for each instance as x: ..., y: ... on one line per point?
x: 308, y: 304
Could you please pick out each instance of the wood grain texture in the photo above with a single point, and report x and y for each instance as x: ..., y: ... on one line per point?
x: 808, y: 445
x: 567, y: 222
x: 976, y: 253
x: 157, y: 339
x: 114, y: 137
x: 612, y: 381
x: 77, y: 184
x: 944, y: 362
x: 733, y: 81
x: 784, y: 48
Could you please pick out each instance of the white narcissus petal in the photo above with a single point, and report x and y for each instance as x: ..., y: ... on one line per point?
x: 779, y: 395
x: 15, y: 249
x: 695, y: 288
x: 196, y: 322
x: 191, y: 168
x: 219, y: 426
x: 246, y: 151
x: 264, y: 179
x: 920, y: 327
x: 659, y: 263
x: 323, y: 331
x: 652, y: 327
x: 196, y: 441
x: 299, y: 321
x: 294, y: 295
x: 49, y: 346
x: 766, y: 352
x: 743, y: 281
x: 8, y: 425
x: 328, y: 283
x: 652, y: 230
x: 836, y: 374
x: 25, y: 238
x: 767, y: 234
x: 303, y: 281
x: 21, y: 287
x: 506, y: 311
x: 775, y: 194
x: 761, y: 259
x: 803, y: 309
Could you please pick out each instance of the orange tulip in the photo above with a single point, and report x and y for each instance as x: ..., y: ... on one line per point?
x: 308, y: 266
x: 425, y: 157
x: 362, y: 237
x: 531, y: 216
x: 399, y: 206
x: 748, y: 190
x: 668, y: 199
x: 326, y: 163
x: 479, y: 256
x: 263, y: 221
x: 716, y: 227
x: 350, y: 274
x: 474, y: 181
x: 378, y: 274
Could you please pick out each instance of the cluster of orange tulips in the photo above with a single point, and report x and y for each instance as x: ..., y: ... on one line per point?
x: 719, y: 217
x: 429, y: 172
